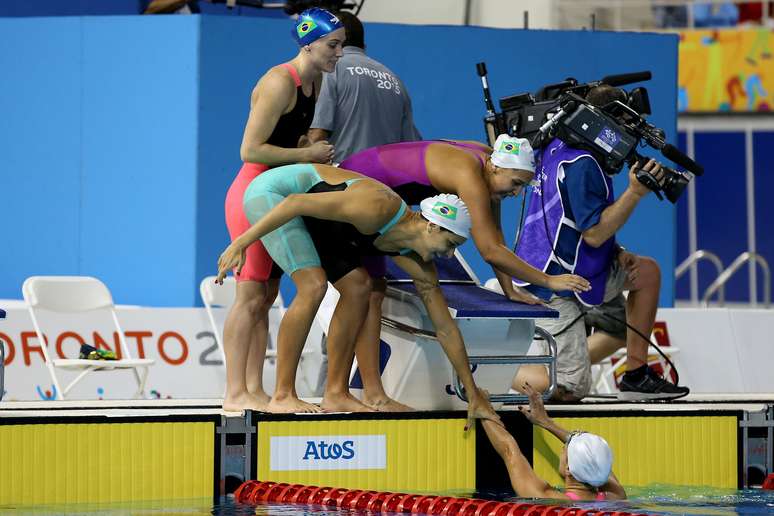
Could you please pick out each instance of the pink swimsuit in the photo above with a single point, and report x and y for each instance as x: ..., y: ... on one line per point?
x: 401, y: 166
x: 572, y: 496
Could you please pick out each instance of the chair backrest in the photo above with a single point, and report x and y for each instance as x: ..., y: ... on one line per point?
x: 69, y: 294
x: 66, y: 293
x: 218, y: 295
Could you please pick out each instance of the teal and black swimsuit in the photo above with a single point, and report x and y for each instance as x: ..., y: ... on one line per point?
x: 305, y: 242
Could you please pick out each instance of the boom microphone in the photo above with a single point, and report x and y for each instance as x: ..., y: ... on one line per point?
x: 674, y: 154
x: 626, y: 78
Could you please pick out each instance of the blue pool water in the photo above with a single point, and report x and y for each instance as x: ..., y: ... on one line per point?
x: 654, y: 499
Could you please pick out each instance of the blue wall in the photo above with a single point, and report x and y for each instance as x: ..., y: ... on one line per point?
x: 721, y: 208
x: 128, y: 181
x: 99, y: 153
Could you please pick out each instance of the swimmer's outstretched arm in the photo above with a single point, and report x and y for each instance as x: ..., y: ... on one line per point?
x: 340, y: 206
x: 449, y: 335
x: 523, y: 478
x: 537, y: 415
x: 490, y: 243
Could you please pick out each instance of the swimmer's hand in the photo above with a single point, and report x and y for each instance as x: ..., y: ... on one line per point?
x: 568, y: 282
x: 233, y: 256
x: 522, y: 296
x: 320, y: 152
x: 536, y: 412
x: 480, y: 408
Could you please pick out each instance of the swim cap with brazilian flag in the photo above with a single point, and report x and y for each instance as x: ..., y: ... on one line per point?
x: 515, y: 153
x: 449, y: 212
x: 313, y: 24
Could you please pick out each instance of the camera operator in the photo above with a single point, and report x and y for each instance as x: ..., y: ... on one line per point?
x: 570, y: 227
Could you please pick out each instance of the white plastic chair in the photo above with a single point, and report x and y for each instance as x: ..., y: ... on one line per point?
x: 214, y: 295
x: 79, y: 294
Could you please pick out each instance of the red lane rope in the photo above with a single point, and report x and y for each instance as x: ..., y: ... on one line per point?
x: 256, y: 491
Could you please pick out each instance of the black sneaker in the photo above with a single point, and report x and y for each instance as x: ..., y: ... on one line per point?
x: 650, y: 387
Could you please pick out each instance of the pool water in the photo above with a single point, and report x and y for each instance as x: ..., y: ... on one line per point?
x: 653, y: 499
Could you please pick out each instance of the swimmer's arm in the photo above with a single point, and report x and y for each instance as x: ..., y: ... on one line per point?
x: 327, y: 206
x: 614, y: 486
x: 270, y: 99
x: 504, y: 279
x: 523, y: 478
x: 449, y: 336
x: 336, y: 206
x: 426, y: 282
x: 489, y: 241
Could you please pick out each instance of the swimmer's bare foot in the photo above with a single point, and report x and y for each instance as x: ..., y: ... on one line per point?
x: 260, y: 396
x: 387, y: 404
x: 244, y: 401
x: 343, y: 402
x: 290, y: 405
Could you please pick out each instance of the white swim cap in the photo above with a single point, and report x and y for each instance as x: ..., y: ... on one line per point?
x: 510, y: 152
x: 589, y: 459
x: 449, y: 212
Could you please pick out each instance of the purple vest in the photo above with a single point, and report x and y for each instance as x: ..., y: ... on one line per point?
x: 574, y: 254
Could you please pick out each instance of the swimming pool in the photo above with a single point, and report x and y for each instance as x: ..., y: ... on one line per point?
x: 653, y: 499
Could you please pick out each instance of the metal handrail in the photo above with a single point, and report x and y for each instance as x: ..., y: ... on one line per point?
x: 459, y: 390
x: 695, y: 257
x: 549, y: 360
x: 735, y: 265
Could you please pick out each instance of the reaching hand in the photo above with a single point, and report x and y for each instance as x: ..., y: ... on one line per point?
x: 522, y: 296
x: 320, y: 152
x: 480, y: 408
x: 233, y: 256
x: 568, y: 282
x: 536, y: 412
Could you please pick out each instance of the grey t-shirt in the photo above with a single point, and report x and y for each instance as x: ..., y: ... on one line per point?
x: 363, y: 104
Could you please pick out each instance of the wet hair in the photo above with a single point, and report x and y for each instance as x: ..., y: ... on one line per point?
x: 604, y: 94
x: 353, y: 28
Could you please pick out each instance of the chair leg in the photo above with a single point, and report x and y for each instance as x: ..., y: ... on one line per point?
x: 76, y: 380
x: 141, y: 379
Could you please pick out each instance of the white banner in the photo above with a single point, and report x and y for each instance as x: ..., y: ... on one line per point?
x: 188, y: 362
x: 327, y: 452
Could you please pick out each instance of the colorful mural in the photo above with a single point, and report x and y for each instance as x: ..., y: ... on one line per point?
x: 726, y: 70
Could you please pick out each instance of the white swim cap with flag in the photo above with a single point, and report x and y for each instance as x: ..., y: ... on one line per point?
x: 589, y: 458
x: 449, y: 212
x: 511, y: 152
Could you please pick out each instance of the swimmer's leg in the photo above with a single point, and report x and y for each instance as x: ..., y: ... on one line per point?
x: 311, y: 284
x: 348, y: 317
x: 367, y: 352
x: 244, y: 341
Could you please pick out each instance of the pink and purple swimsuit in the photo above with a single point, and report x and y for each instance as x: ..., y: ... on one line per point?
x: 402, y: 167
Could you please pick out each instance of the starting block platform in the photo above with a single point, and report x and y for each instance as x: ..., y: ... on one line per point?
x: 184, y: 449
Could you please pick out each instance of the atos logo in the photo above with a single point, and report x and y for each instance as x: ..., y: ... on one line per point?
x: 327, y: 452
x: 322, y: 450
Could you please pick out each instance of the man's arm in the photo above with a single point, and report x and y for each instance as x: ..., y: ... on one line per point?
x: 615, y: 216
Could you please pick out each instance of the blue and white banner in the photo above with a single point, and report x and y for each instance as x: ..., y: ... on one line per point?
x: 328, y: 452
